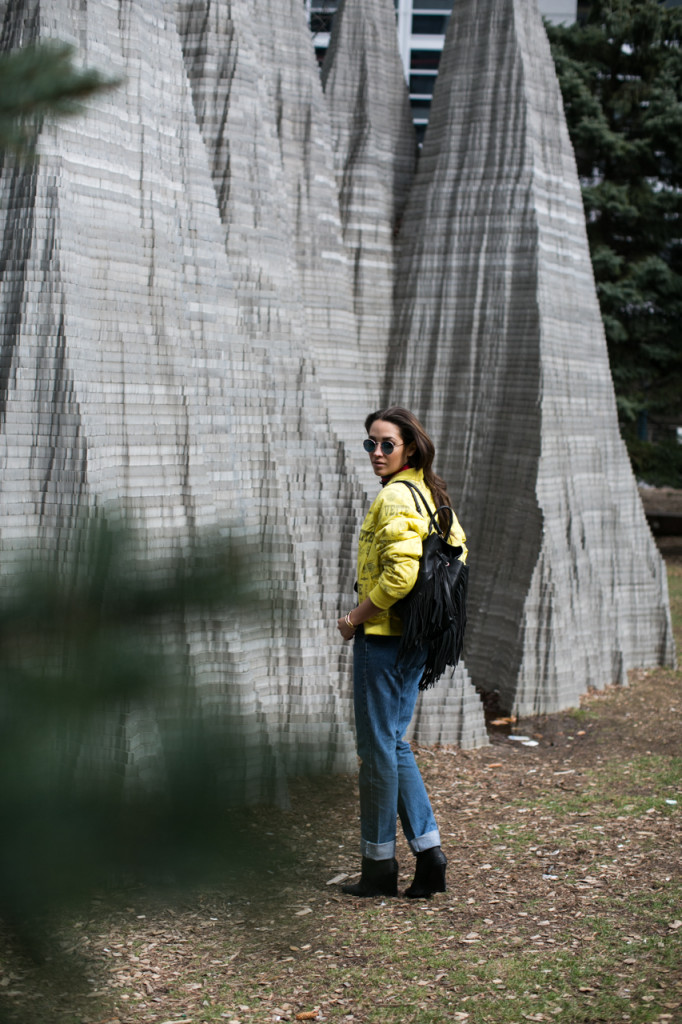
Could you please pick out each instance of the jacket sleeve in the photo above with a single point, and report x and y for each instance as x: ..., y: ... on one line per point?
x: 398, y: 538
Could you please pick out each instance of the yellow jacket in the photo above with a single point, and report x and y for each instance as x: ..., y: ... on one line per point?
x: 390, y: 548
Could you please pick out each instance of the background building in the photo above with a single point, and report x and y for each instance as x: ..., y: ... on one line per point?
x: 421, y: 33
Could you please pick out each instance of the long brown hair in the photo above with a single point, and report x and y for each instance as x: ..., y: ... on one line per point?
x: 411, y: 431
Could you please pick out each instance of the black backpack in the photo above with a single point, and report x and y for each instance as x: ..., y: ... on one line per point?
x: 434, y: 611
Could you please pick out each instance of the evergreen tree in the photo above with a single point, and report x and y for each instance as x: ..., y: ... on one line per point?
x: 621, y: 79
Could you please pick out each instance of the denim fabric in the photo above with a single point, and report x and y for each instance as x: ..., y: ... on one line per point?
x: 385, y: 694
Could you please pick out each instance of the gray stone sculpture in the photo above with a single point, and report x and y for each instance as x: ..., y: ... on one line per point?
x: 190, y: 295
x: 134, y: 379
x: 501, y: 349
x: 340, y: 365
x: 180, y: 343
x: 375, y: 150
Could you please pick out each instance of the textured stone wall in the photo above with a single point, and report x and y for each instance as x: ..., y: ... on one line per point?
x: 180, y: 342
x: 136, y: 376
x: 266, y: 102
x: 375, y: 150
x: 202, y: 299
x: 499, y: 345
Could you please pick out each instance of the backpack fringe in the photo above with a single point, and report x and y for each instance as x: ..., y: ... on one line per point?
x: 434, y: 612
x: 436, y: 618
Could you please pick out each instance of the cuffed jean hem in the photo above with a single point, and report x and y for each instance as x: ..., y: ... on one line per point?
x: 377, y: 851
x: 425, y: 842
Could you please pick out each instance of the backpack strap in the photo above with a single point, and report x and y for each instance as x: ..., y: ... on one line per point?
x: 434, y: 525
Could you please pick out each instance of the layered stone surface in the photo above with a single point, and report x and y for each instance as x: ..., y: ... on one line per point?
x: 255, y: 102
x: 135, y: 380
x: 499, y: 346
x: 201, y: 304
x: 375, y: 151
x: 375, y: 154
x: 180, y: 345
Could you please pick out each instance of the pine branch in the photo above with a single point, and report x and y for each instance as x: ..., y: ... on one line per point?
x: 39, y: 81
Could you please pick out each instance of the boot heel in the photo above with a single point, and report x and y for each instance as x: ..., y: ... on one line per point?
x: 378, y: 878
x: 429, y: 876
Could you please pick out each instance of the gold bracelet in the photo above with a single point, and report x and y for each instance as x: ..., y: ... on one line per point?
x: 349, y: 622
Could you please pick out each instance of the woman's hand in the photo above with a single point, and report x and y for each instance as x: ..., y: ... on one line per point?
x: 347, y: 625
x: 346, y: 631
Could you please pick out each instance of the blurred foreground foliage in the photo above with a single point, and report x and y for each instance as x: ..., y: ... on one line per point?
x: 41, y: 80
x: 93, y: 656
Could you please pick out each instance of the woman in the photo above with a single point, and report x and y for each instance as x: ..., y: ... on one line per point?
x: 385, y: 690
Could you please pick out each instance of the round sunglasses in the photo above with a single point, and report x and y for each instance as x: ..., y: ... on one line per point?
x: 387, y: 447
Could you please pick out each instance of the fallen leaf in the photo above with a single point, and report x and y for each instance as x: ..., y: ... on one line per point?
x: 308, y: 1015
x: 674, y: 925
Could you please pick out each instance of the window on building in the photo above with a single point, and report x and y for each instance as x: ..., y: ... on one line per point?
x: 420, y: 107
x: 424, y: 60
x: 321, y: 21
x: 429, y: 24
x: 432, y: 5
x: 422, y: 85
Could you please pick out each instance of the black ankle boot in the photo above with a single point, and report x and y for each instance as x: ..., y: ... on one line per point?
x: 430, y: 874
x: 378, y: 878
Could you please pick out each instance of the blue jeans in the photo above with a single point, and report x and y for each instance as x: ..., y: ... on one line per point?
x: 385, y: 694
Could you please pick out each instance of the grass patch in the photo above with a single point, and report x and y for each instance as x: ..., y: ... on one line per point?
x: 564, y: 889
x: 614, y: 790
x: 580, y: 714
x: 516, y: 837
x: 595, y: 972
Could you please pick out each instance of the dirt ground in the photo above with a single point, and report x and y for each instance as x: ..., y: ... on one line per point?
x: 285, y: 934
